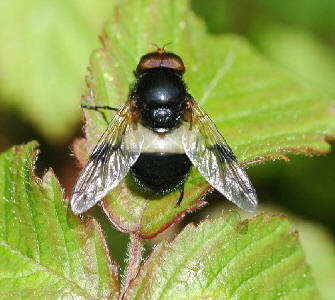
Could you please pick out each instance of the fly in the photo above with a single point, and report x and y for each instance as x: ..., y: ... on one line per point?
x: 158, y: 134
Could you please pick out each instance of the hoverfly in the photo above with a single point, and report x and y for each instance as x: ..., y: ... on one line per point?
x: 158, y: 134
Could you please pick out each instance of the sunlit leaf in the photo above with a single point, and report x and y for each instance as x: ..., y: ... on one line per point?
x: 262, y: 111
x: 228, y: 259
x: 46, y: 252
x: 43, y: 58
x: 300, y: 52
x: 315, y: 240
x: 319, y: 245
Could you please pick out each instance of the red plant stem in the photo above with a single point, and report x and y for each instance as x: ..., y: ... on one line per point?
x: 134, y: 260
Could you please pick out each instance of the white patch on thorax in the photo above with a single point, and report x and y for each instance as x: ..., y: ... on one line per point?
x: 170, y: 142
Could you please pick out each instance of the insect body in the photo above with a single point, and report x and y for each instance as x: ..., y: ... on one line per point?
x: 158, y: 134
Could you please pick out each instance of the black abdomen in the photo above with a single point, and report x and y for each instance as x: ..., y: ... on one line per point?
x: 161, y: 172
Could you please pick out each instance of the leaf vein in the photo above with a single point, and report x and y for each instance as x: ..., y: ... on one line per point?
x: 218, y: 76
x: 276, y: 264
x: 239, y: 253
x: 45, y: 269
x: 192, y: 251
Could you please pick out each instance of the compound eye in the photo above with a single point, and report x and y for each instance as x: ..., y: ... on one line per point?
x: 174, y: 62
x: 160, y: 59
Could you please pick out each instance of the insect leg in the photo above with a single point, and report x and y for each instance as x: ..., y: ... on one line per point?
x: 181, y: 195
x: 98, y: 108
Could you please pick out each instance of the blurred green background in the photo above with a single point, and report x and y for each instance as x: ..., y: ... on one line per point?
x: 45, y: 48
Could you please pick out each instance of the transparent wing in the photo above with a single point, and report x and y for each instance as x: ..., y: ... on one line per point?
x: 118, y: 149
x: 209, y: 152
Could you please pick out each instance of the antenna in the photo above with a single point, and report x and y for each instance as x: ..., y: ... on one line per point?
x: 161, y: 50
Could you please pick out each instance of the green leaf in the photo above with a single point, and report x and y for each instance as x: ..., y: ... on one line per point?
x: 300, y: 52
x: 319, y: 245
x: 262, y: 111
x: 314, y: 15
x: 43, y: 58
x: 228, y: 259
x: 46, y: 252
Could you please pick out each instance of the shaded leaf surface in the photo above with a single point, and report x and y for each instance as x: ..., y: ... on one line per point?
x: 228, y: 259
x: 46, y: 252
x: 314, y: 15
x: 261, y: 111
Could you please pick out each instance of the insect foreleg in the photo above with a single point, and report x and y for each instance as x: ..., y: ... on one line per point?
x: 98, y: 109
